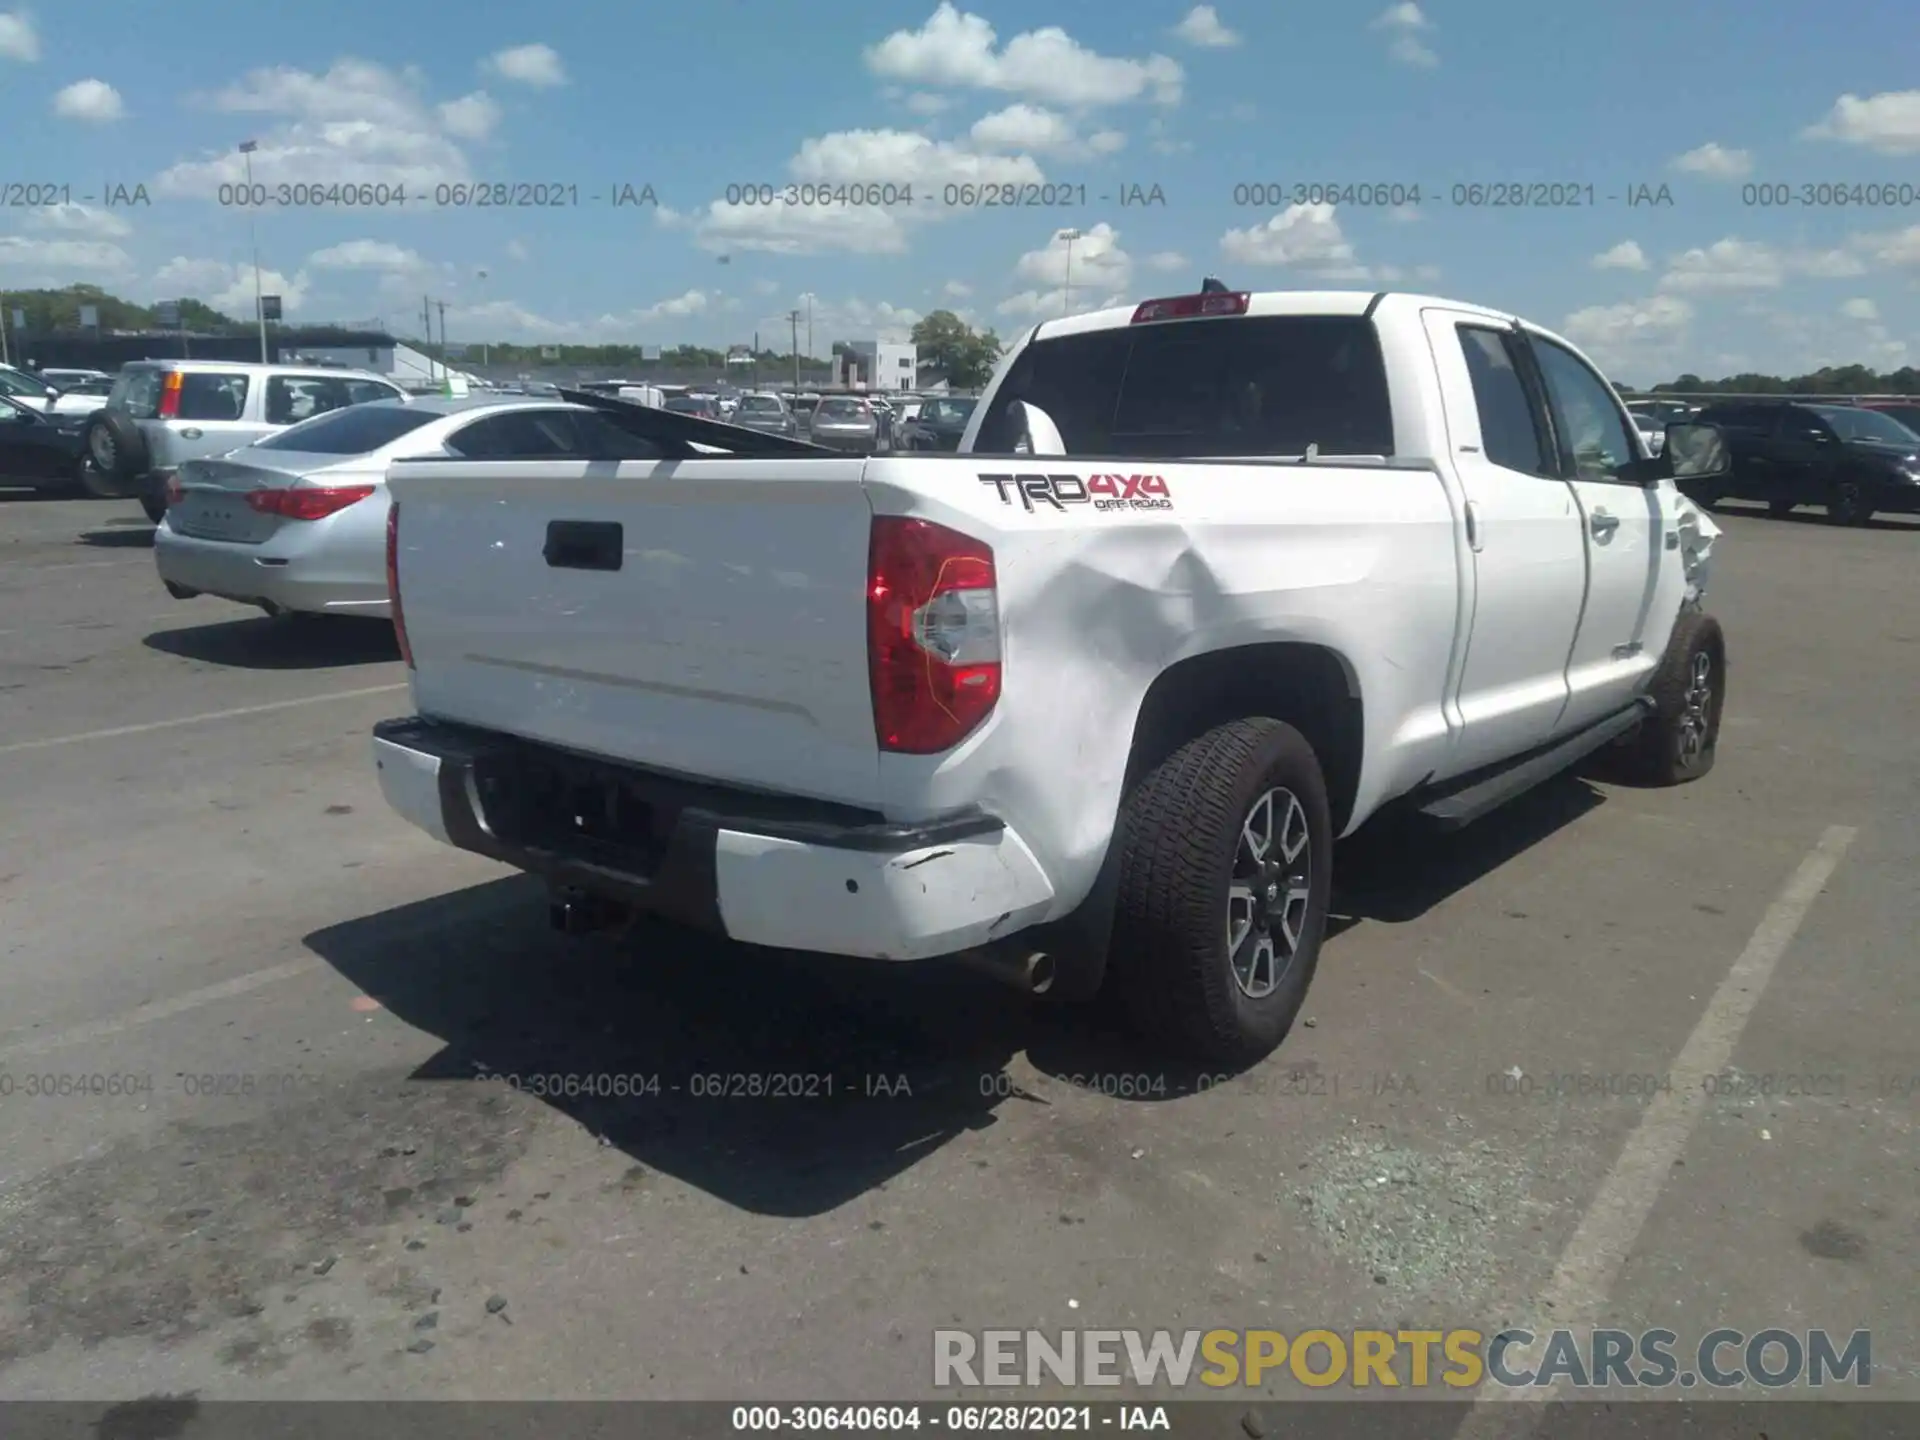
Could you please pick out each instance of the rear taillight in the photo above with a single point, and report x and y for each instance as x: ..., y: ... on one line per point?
x: 307, y: 504
x: 1190, y: 307
x: 174, y: 493
x: 170, y: 396
x: 393, y: 583
x: 933, y: 634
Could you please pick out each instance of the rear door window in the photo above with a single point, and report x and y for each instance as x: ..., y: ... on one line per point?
x: 1266, y: 385
x: 1511, y: 435
x: 209, y: 395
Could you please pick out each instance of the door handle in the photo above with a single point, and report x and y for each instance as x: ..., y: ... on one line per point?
x: 1602, y: 524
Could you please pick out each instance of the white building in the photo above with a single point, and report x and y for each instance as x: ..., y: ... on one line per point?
x: 875, y: 365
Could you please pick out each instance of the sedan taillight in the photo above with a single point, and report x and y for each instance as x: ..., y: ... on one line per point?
x: 315, y: 503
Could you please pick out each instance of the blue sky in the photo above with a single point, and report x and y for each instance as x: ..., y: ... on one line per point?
x: 1701, y: 96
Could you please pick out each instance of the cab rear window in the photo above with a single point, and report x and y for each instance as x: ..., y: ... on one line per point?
x: 1263, y: 385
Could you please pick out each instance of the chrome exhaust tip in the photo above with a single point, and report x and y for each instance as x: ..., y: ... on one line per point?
x: 1029, y: 971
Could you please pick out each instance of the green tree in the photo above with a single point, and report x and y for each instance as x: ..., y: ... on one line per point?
x: 951, y: 346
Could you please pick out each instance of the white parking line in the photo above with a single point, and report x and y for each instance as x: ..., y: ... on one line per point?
x: 1592, y: 1259
x: 157, y: 1010
x: 234, y: 714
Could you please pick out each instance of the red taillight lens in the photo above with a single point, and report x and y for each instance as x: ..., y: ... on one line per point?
x: 308, y: 504
x: 933, y: 634
x: 393, y: 583
x: 174, y: 492
x: 170, y: 396
x: 1190, y: 307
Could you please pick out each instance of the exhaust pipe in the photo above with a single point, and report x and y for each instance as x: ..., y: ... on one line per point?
x: 1029, y: 971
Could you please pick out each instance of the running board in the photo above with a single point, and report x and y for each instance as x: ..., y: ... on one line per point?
x: 1462, y: 806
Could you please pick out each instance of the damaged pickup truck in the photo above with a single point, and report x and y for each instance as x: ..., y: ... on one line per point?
x: 1209, y: 582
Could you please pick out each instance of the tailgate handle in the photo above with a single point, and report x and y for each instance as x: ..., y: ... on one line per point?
x: 584, y: 544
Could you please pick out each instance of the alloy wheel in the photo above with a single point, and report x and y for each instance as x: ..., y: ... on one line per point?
x: 1268, y: 892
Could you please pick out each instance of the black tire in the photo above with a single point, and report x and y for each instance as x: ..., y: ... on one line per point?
x: 155, y: 506
x: 1181, y: 846
x: 118, y: 450
x: 1661, y: 752
x: 1851, y: 503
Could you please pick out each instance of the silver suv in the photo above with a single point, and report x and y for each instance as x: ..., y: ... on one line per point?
x: 163, y: 413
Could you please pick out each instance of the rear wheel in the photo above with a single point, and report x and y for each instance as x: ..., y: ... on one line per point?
x: 155, y: 506
x: 1224, y: 885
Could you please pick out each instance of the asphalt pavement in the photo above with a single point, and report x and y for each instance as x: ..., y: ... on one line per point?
x: 277, y: 1122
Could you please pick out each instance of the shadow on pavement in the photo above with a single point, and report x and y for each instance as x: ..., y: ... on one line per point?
x: 784, y: 1083
x: 123, y: 539
x: 294, y: 642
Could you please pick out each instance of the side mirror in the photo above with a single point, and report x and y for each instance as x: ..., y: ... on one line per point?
x: 1695, y: 451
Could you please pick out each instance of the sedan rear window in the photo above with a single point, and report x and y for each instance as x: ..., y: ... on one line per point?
x: 1267, y: 385
x: 840, y: 410
x: 357, y: 430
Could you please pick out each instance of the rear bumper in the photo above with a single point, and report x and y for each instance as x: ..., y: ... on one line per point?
x: 883, y: 891
x: 306, y: 574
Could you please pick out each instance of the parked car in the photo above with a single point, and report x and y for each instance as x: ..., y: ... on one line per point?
x: 162, y: 413
x: 1853, y: 461
x: 940, y: 424
x: 904, y: 414
x: 296, y: 523
x: 701, y: 405
x: 767, y: 412
x: 1275, y: 561
x: 82, y: 397
x: 845, y: 422
x: 1652, y: 429
x: 65, y: 380
x: 40, y: 450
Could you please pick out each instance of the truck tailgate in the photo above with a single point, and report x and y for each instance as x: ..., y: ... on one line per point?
x: 705, y: 616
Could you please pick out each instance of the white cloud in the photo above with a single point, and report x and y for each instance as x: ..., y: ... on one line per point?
x: 89, y: 221
x: 517, y: 250
x: 1861, y: 309
x: 537, y: 65
x: 1627, y: 255
x: 1644, y: 333
x: 366, y: 255
x: 1804, y: 342
x: 692, y: 302
x: 955, y: 290
x: 848, y: 319
x: 1405, y: 215
x: 925, y: 102
x: 18, y: 40
x: 783, y: 229
x: 356, y: 122
x: 957, y: 50
x: 1168, y: 261
x: 1888, y: 122
x: 1202, y: 27
x: 1091, y: 271
x: 471, y: 117
x: 1735, y: 264
x: 901, y: 157
x: 1298, y: 235
x: 26, y: 261
x: 1716, y: 161
x: 94, y: 101
x: 1899, y: 249
x: 1406, y: 23
x: 227, y: 288
x: 1041, y: 131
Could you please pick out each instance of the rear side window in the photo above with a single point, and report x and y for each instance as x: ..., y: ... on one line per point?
x: 208, y: 395
x: 1269, y: 385
x: 137, y: 392
x: 356, y: 430
x: 1510, y: 434
x: 293, y: 398
x: 548, y: 435
x: 601, y: 439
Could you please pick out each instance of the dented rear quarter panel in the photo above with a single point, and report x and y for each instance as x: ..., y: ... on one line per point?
x: 1095, y: 606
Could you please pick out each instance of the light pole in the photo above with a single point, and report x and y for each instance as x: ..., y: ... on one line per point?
x: 486, y: 346
x: 1066, y: 288
x: 247, y: 147
x: 793, y: 319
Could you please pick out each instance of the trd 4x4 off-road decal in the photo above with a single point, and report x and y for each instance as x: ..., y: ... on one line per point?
x: 1102, y: 492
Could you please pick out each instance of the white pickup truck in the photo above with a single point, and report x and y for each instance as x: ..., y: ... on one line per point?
x: 1209, y: 582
